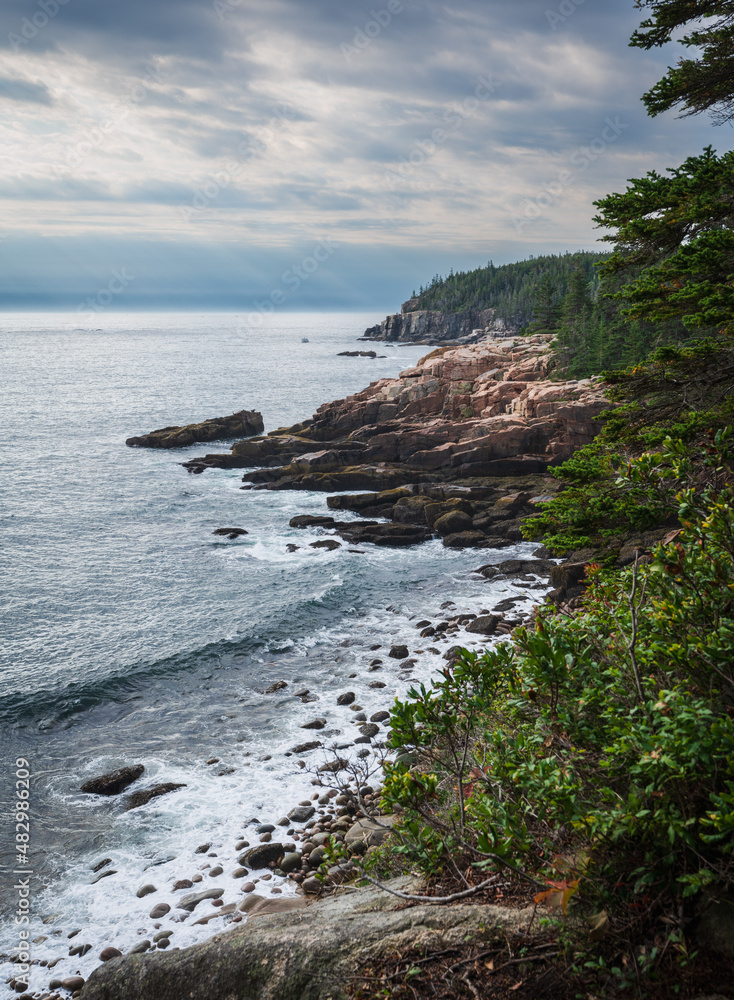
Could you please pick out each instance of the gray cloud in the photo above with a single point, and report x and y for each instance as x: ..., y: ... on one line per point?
x: 25, y: 91
x: 273, y: 121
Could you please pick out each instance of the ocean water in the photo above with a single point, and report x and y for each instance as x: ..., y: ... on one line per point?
x: 132, y: 634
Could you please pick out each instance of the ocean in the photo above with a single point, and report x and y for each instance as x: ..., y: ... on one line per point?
x: 132, y: 634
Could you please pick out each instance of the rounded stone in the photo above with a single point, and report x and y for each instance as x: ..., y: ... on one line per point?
x: 145, y: 890
x: 159, y: 911
x: 290, y: 863
x: 109, y: 953
x: 73, y: 983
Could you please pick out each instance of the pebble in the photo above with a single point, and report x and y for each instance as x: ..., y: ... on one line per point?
x: 202, y: 849
x: 380, y: 717
x: 239, y: 873
x: 145, y: 890
x: 162, y: 934
x: 140, y: 948
x: 183, y: 883
x: 248, y: 887
x: 212, y: 760
x: 159, y: 911
x: 265, y: 828
x: 347, y: 698
x: 377, y: 684
x: 197, y: 878
x: 216, y: 871
x: 266, y: 838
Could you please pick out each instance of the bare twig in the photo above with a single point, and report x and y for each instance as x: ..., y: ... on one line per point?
x: 434, y: 900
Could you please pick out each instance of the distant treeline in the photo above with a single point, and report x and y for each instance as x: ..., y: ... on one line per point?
x: 558, y: 294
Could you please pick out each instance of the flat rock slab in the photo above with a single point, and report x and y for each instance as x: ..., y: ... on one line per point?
x: 144, y: 796
x: 300, y: 955
x: 244, y: 423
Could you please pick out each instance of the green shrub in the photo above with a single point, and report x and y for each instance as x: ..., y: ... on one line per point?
x: 600, y: 745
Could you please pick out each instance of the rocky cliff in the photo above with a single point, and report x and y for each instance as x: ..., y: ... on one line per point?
x: 489, y: 409
x: 431, y: 327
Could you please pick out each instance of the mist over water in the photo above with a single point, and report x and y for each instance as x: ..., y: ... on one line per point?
x: 132, y: 634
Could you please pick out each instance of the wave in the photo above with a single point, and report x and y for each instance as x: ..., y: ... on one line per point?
x: 49, y: 706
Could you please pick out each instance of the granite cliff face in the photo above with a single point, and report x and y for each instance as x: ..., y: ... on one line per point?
x: 483, y: 410
x: 430, y: 327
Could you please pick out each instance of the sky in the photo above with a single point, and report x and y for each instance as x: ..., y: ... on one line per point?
x: 310, y: 154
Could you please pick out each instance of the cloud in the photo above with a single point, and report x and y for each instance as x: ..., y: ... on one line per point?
x: 24, y: 91
x: 274, y: 122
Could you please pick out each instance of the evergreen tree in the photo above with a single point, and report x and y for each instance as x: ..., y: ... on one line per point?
x: 704, y: 82
x: 545, y: 306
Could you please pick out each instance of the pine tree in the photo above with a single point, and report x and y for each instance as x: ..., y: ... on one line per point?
x: 702, y: 83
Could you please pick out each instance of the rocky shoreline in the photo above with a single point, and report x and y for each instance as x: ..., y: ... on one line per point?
x: 279, y: 857
x: 456, y: 448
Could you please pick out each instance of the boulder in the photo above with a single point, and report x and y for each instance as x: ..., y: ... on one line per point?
x: 301, y: 814
x: 484, y: 625
x: 302, y: 955
x: 452, y: 523
x: 399, y: 652
x: 144, y: 796
x: 464, y: 540
x: 113, y: 782
x: 261, y: 856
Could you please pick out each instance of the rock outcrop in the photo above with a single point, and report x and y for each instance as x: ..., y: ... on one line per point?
x: 485, y: 410
x: 303, y: 954
x: 114, y: 782
x: 428, y: 326
x: 245, y: 423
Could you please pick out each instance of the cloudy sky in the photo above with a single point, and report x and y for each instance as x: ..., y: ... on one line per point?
x: 199, y: 153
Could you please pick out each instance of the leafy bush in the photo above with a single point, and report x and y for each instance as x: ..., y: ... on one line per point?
x: 595, y: 756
